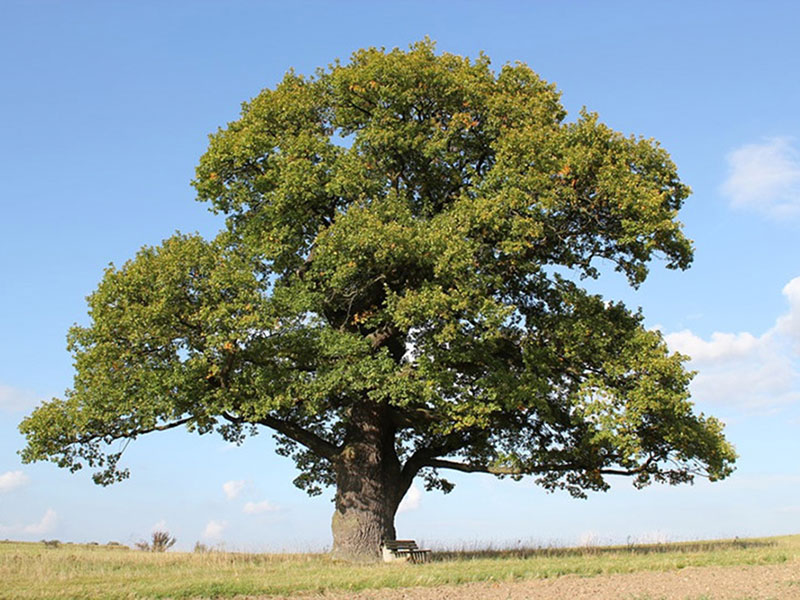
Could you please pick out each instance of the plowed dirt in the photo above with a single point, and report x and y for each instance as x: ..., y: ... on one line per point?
x: 757, y: 582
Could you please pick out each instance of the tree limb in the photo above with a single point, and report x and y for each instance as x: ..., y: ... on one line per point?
x: 130, y: 434
x: 294, y: 432
x: 439, y: 463
x: 419, y: 416
x: 424, y: 456
x: 165, y: 426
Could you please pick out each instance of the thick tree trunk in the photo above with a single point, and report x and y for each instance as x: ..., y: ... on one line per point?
x: 368, y: 486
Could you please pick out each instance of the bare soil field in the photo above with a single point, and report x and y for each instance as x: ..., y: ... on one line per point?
x: 749, y: 582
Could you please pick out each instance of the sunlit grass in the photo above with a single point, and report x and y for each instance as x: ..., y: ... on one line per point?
x: 33, y: 570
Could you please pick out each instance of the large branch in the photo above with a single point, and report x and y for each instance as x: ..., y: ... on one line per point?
x: 414, y: 416
x: 307, y: 438
x: 165, y: 426
x: 439, y: 463
x: 129, y: 434
x: 423, y: 456
x: 381, y: 336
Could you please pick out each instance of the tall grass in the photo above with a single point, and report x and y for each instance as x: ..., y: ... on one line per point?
x: 33, y: 570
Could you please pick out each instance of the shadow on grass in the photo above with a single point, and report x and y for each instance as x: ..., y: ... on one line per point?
x: 642, y: 549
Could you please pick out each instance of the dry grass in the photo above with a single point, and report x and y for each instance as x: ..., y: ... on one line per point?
x: 33, y: 570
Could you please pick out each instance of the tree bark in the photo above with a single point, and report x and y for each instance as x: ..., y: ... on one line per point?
x: 369, y: 485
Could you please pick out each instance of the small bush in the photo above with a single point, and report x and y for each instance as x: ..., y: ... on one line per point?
x: 201, y: 548
x: 116, y: 546
x: 160, y: 541
x: 51, y: 543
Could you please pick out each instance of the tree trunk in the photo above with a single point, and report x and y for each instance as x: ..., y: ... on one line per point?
x: 368, y: 486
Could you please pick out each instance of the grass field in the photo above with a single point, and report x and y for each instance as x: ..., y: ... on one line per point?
x: 34, y: 570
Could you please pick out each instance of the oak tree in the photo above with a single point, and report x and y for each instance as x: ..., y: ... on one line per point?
x: 396, y: 293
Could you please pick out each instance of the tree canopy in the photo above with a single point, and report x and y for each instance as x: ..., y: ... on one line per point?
x: 397, y: 293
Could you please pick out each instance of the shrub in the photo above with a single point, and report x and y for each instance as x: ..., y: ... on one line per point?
x: 160, y: 541
x: 201, y: 548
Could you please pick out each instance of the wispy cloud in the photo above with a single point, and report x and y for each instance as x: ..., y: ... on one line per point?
x: 255, y: 508
x: 214, y: 529
x: 45, y: 525
x: 233, y: 488
x: 159, y: 526
x: 751, y: 372
x: 789, y: 324
x: 411, y: 500
x: 12, y: 480
x: 765, y: 177
x: 16, y: 400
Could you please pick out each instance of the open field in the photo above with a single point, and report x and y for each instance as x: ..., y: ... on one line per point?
x: 697, y: 570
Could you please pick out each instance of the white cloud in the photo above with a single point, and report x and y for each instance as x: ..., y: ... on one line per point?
x: 411, y: 500
x: 214, y: 529
x: 46, y: 524
x: 722, y: 346
x: 789, y: 324
x: 255, y: 508
x: 765, y: 177
x: 11, y: 480
x: 744, y: 370
x: 233, y: 488
x: 160, y: 526
x: 16, y: 400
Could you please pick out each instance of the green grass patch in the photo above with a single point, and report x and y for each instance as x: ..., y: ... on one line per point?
x: 37, y: 571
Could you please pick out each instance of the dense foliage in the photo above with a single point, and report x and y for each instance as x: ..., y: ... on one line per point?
x: 396, y: 293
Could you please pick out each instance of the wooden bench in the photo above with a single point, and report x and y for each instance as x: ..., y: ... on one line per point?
x: 403, y: 550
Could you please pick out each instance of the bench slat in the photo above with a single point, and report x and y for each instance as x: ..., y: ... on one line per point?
x: 400, y: 544
x: 405, y: 550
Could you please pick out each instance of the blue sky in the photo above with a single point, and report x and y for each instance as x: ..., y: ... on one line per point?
x: 105, y: 110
